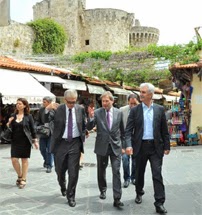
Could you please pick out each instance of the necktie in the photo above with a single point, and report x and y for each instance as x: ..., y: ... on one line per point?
x: 70, y: 126
x: 108, y: 119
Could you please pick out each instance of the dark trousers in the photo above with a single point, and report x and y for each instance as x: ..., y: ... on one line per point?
x: 102, y: 163
x: 67, y: 158
x: 147, y: 152
x: 128, y: 170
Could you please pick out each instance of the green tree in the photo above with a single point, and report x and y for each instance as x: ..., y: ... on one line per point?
x: 50, y: 37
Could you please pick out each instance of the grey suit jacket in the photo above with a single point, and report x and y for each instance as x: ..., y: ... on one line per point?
x: 59, y: 125
x: 106, y: 136
x: 125, y: 110
x: 135, y: 126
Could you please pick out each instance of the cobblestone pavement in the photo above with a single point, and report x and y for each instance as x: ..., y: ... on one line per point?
x: 182, y: 173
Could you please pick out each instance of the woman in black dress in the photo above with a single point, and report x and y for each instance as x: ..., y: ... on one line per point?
x: 23, y: 136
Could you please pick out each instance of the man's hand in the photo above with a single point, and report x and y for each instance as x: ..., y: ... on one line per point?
x: 166, y: 152
x: 129, y: 150
x: 91, y: 111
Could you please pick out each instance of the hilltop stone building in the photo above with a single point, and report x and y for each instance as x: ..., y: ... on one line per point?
x: 87, y: 29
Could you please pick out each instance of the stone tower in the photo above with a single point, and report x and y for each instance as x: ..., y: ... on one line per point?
x: 4, y: 12
x: 95, y: 29
x: 68, y: 13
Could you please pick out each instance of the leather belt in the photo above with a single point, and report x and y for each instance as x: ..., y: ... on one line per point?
x: 148, y: 141
x: 65, y: 139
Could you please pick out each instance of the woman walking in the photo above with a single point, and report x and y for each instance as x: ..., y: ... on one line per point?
x: 23, y: 136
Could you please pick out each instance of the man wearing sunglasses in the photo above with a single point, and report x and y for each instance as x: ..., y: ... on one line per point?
x: 67, y: 143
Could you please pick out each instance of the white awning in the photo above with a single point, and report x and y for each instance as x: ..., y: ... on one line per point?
x: 14, y: 85
x: 170, y: 98
x: 157, y: 96
x: 48, y: 78
x: 120, y: 91
x: 137, y: 92
x: 95, y: 89
x: 76, y: 85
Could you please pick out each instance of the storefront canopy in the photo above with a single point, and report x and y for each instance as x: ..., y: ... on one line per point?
x: 76, y: 85
x: 157, y: 96
x: 171, y: 98
x: 48, y: 78
x: 95, y: 89
x: 14, y: 85
x: 120, y: 91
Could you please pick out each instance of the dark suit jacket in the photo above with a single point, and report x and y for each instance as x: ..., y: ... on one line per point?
x: 59, y: 125
x: 135, y: 126
x: 105, y: 136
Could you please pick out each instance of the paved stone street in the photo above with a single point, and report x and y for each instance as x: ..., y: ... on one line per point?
x: 182, y: 177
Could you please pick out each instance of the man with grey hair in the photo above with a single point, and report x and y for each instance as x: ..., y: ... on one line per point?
x: 67, y: 143
x: 147, y: 138
x: 109, y: 140
x: 44, y: 141
x: 128, y: 172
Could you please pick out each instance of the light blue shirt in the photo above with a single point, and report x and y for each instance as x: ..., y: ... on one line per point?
x: 148, y: 114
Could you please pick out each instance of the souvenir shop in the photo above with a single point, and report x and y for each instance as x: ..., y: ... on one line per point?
x: 184, y: 123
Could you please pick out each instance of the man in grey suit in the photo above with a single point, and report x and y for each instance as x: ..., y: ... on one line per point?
x: 67, y: 143
x: 147, y: 138
x: 110, y: 136
x: 127, y: 174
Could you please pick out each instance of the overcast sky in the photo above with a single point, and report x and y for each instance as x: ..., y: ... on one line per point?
x: 175, y: 19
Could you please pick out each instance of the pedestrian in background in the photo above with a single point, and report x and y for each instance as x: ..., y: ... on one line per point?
x: 23, y: 136
x: 128, y: 175
x: 44, y: 141
x: 109, y: 140
x: 67, y: 143
x: 147, y: 138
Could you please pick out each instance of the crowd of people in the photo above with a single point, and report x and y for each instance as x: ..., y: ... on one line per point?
x: 133, y: 134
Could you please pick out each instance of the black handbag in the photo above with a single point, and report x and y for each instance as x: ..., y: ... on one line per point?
x: 7, y: 134
x: 43, y: 131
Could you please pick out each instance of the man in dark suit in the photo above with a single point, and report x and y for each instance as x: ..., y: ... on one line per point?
x: 147, y: 138
x: 110, y: 131
x: 67, y: 143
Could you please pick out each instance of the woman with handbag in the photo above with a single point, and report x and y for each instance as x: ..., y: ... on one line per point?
x: 23, y: 136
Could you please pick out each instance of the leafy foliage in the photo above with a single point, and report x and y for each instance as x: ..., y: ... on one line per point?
x: 182, y: 54
x: 80, y: 58
x: 50, y: 37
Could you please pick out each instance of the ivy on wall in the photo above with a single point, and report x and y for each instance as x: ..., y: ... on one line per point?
x: 50, y: 37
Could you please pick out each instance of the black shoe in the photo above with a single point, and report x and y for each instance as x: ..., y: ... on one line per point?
x: 118, y: 203
x: 64, y: 192
x: 126, y: 184
x: 49, y: 170
x: 80, y: 167
x: 44, y: 165
x: 103, y: 195
x: 72, y: 203
x: 133, y: 181
x: 160, y: 209
x: 138, y: 199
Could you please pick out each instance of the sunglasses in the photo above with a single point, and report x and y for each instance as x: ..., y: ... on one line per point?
x: 70, y: 102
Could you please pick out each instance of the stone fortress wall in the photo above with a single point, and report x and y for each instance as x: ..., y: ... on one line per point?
x: 87, y: 30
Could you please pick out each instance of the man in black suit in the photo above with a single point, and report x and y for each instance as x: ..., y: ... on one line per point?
x: 67, y: 143
x: 110, y: 134
x: 147, y: 138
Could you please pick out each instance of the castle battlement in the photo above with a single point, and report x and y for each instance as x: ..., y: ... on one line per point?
x: 143, y: 36
x: 109, y: 15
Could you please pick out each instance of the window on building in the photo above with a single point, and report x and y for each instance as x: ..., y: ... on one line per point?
x: 87, y: 42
